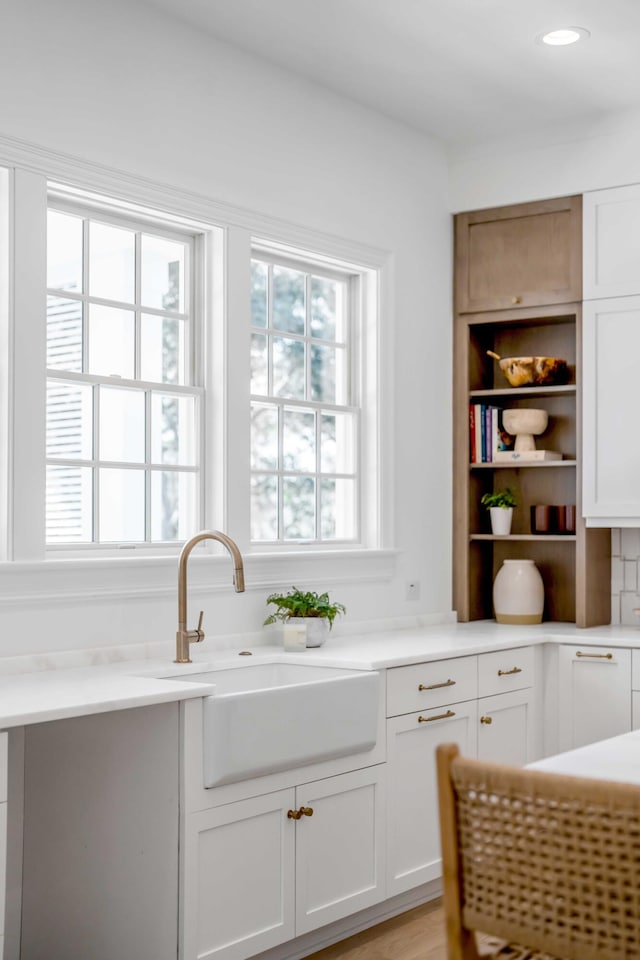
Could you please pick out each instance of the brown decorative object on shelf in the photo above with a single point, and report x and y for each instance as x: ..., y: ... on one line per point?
x: 542, y: 266
x: 541, y: 519
x: 533, y: 371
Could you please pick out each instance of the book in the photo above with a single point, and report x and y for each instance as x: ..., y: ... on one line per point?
x: 506, y: 441
x: 472, y: 433
x: 528, y: 456
x: 479, y: 418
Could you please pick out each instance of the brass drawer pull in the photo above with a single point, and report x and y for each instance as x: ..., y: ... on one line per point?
x: 516, y: 299
x: 440, y: 716
x: 596, y: 656
x: 507, y: 673
x: 298, y: 814
x: 486, y: 719
x: 437, y: 686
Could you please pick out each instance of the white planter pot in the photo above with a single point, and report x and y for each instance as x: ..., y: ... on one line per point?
x: 518, y: 592
x: 501, y: 520
x: 317, y: 629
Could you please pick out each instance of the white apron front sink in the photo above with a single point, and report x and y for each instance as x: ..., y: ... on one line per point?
x: 269, y: 717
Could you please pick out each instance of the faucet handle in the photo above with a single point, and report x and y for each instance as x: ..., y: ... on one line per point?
x: 199, y: 630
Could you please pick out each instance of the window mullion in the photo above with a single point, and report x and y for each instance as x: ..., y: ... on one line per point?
x: 95, y: 479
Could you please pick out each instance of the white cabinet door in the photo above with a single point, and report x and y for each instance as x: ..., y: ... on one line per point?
x: 635, y: 710
x: 611, y: 400
x: 238, y: 878
x: 340, y: 851
x: 594, y: 690
x: 506, y: 728
x: 413, y: 839
x: 611, y: 242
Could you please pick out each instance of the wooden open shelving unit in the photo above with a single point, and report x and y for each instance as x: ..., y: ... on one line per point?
x: 575, y: 568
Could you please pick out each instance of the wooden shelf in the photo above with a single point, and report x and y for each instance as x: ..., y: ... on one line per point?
x: 520, y: 465
x: 565, y: 390
x: 533, y: 537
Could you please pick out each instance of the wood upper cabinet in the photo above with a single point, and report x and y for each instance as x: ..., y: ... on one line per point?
x: 524, y: 255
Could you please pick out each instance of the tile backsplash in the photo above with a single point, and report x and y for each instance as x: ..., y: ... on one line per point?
x: 625, y: 576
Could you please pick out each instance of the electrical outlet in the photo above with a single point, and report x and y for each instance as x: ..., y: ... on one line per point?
x: 412, y: 591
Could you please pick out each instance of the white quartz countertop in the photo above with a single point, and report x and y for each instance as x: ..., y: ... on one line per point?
x: 38, y: 695
x: 615, y: 759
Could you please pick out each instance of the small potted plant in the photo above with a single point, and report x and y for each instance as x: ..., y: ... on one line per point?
x: 316, y: 610
x: 500, y: 505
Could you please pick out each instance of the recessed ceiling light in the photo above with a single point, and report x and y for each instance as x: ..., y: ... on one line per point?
x: 563, y: 36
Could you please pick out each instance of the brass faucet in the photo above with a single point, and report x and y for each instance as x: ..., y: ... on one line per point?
x: 183, y: 636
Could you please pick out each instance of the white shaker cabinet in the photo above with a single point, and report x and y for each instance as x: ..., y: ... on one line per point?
x: 594, y: 702
x: 3, y: 832
x: 611, y: 401
x: 261, y: 871
x: 611, y: 242
x: 506, y: 728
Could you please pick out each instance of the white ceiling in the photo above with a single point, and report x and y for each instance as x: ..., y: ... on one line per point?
x: 466, y: 71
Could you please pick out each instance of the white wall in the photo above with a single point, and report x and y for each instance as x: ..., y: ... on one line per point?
x: 568, y: 160
x: 118, y: 84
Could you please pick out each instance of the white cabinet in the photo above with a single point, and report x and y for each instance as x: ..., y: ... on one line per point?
x: 594, y: 686
x: 4, y: 743
x: 413, y: 840
x: 261, y: 871
x: 340, y: 850
x: 611, y: 242
x: 611, y: 400
x: 506, y: 728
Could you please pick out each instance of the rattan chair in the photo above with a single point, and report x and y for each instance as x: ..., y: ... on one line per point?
x: 548, y: 864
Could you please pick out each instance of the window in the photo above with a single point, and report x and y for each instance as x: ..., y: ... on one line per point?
x: 123, y: 407
x: 305, y: 414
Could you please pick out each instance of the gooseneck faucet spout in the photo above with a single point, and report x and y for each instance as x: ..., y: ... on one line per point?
x: 184, y: 636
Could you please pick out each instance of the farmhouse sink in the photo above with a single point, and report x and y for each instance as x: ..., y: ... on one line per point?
x: 269, y: 717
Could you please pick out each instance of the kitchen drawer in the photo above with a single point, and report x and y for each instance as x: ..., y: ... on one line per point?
x: 4, y: 745
x: 424, y: 685
x: 505, y: 670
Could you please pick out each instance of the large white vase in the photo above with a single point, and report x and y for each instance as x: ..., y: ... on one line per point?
x: 518, y: 592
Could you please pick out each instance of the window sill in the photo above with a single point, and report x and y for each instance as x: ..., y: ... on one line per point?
x: 83, y: 580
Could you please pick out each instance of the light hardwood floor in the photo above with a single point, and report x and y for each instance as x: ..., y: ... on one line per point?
x: 415, y: 935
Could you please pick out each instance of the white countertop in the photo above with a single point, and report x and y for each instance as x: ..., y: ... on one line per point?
x: 39, y: 695
x: 615, y: 759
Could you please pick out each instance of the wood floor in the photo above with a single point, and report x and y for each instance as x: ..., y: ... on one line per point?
x: 415, y: 935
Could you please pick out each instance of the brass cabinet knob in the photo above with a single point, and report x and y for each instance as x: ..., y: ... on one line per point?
x: 294, y: 814
x: 486, y: 719
x: 298, y: 814
x: 516, y: 299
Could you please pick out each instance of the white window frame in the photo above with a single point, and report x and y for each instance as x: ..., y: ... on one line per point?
x: 29, y: 574
x: 353, y: 278
x: 193, y: 372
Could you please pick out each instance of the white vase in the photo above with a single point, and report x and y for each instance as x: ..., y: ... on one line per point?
x: 501, y: 520
x: 518, y: 592
x: 317, y: 629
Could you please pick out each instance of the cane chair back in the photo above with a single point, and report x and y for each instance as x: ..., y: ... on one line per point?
x: 547, y: 863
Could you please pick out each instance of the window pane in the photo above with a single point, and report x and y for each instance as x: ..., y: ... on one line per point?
x: 122, y: 424
x: 173, y: 429
x: 69, y: 499
x: 121, y: 505
x: 264, y: 436
x: 111, y: 341
x: 259, y: 274
x: 64, y: 334
x: 69, y: 420
x: 299, y: 441
x: 259, y: 380
x: 173, y: 505
x: 288, y: 300
x: 324, y: 302
x: 288, y: 368
x: 162, y: 358
x: 162, y: 273
x: 64, y: 251
x: 323, y: 375
x: 264, y: 508
x: 338, y: 509
x: 337, y: 443
x: 299, y: 508
x: 111, y: 262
